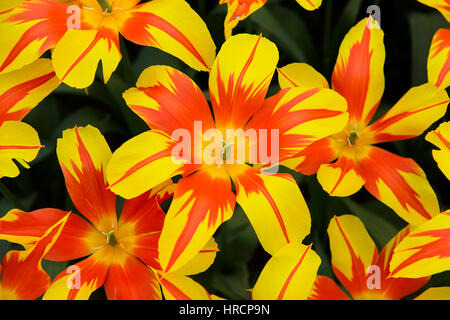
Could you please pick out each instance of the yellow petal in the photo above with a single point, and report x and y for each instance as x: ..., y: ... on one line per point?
x: 289, y: 274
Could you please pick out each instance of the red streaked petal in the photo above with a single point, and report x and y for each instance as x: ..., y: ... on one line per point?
x: 274, y: 205
x: 439, y: 59
x: 288, y: 275
x: 411, y: 115
x: 326, y: 289
x: 352, y: 253
x: 341, y: 178
x: 400, y: 184
x: 78, y: 281
x: 396, y: 288
x: 168, y: 100
x: 142, y: 163
x: 299, y: 116
x: 201, y: 203
x: 238, y: 83
x: 22, y: 90
x: 239, y: 10
x: 358, y: 74
x: 171, y: 26
x: 179, y: 287
x: 140, y: 226
x: 83, y: 154
x: 26, y: 228
x: 129, y: 279
x: 77, y: 54
x: 22, y: 274
x: 309, y: 160
x: 425, y: 251
x: 30, y: 30
x: 442, y: 5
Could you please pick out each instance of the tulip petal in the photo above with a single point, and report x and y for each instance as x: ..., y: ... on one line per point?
x: 202, y: 202
x: 439, y: 59
x: 23, y: 277
x: 179, y: 287
x: 140, y: 226
x: 289, y: 274
x: 441, y: 139
x: 411, y: 115
x: 18, y: 141
x: 441, y: 5
x: 400, y: 184
x: 239, y: 10
x: 22, y: 90
x: 274, y: 205
x: 172, y: 26
x: 358, y: 74
x: 326, y: 289
x: 130, y: 279
x: 77, y: 239
x: 142, y: 163
x: 202, y: 261
x: 298, y: 116
x: 425, y: 251
x: 83, y: 155
x: 309, y: 160
x: 352, y: 253
x: 300, y: 75
x: 396, y: 288
x: 30, y: 30
x: 167, y: 100
x: 341, y: 178
x: 78, y: 281
x: 439, y: 293
x: 310, y: 5
x: 238, y: 83
x: 77, y: 54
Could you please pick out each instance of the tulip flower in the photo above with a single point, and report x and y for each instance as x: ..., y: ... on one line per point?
x: 121, y: 254
x: 20, y: 92
x: 22, y: 276
x: 359, y: 77
x: 364, y: 271
x: 83, y: 32
x: 171, y: 103
x: 239, y: 10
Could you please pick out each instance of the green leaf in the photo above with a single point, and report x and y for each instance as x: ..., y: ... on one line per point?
x: 379, y: 227
x: 274, y: 29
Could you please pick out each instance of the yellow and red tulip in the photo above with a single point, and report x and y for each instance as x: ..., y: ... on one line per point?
x: 121, y: 254
x: 168, y: 100
x: 358, y: 76
x: 20, y: 92
x: 362, y: 270
x: 22, y: 276
x: 239, y: 10
x: 425, y: 251
x: 439, y: 59
x: 36, y: 26
x: 441, y: 139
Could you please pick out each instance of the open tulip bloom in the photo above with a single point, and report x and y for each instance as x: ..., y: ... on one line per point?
x: 244, y: 123
x: 143, y: 220
x: 121, y: 254
x: 83, y: 32
x: 359, y: 77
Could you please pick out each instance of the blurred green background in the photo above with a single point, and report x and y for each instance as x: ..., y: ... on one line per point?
x: 301, y: 36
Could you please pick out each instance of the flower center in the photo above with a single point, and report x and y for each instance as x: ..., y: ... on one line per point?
x: 353, y: 136
x: 111, y: 238
x: 105, y: 5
